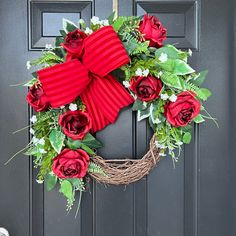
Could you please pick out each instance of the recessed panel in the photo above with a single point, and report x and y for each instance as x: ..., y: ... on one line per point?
x: 52, y: 22
x: 45, y: 19
x: 179, y: 17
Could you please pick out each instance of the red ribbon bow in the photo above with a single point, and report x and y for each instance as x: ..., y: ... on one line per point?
x: 102, y: 94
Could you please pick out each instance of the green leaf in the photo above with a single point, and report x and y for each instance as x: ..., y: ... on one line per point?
x: 187, y: 137
x: 77, y: 183
x: 58, y: 41
x: 31, y: 151
x: 87, y: 149
x: 94, y: 168
x: 143, y: 114
x: 172, y: 52
x: 187, y: 128
x: 199, y: 119
x: 111, y: 18
x: 34, y: 74
x: 173, y: 81
x: 200, y: 78
x: 139, y: 105
x: 66, y: 189
x: 73, y: 144
x: 203, y: 93
x: 68, y: 25
x: 51, y: 181
x: 56, y: 139
x: 118, y: 23
x: 30, y: 82
x: 176, y: 67
x: 91, y: 142
x: 63, y: 33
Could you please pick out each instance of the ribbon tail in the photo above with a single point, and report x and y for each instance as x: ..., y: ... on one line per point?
x: 64, y: 82
x: 104, y: 98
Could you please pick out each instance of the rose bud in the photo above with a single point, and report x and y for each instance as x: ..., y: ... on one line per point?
x: 146, y: 88
x: 70, y: 163
x: 183, y: 110
x: 75, y: 124
x: 74, y: 43
x: 153, y: 31
x: 37, y: 98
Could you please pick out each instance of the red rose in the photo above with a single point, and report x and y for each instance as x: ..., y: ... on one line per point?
x: 74, y: 43
x: 153, y: 30
x: 70, y: 163
x: 37, y: 98
x: 75, y: 124
x: 146, y: 88
x: 183, y: 110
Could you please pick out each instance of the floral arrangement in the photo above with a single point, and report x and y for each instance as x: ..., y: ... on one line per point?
x: 75, y: 95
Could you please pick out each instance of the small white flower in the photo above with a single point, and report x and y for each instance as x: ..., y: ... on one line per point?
x: 146, y: 72
x: 88, y: 31
x: 162, y: 154
x: 73, y: 107
x: 105, y: 22
x: 126, y: 84
x: 35, y: 140
x: 28, y: 65
x: 158, y: 145
x: 32, y: 131
x: 179, y: 143
x: 157, y: 121
x: 39, y: 181
x: 48, y: 46
x: 81, y: 21
x: 42, y: 151
x: 163, y: 57
x: 160, y: 74
x: 190, y: 52
x: 62, y: 107
x: 139, y: 72
x: 95, y: 20
x: 173, y: 98
x: 164, y: 96
x: 33, y: 119
x: 41, y: 141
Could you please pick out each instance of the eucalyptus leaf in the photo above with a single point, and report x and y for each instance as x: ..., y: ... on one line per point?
x: 67, y: 189
x: 56, y: 139
x: 50, y: 181
x: 187, y: 137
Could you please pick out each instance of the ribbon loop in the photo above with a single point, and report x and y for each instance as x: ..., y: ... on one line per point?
x: 102, y: 94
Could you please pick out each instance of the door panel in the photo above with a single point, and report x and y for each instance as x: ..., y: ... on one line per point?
x: 194, y: 199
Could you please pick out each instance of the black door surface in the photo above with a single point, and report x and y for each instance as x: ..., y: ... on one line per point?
x: 195, y: 199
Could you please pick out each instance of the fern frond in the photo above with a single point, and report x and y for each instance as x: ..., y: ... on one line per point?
x: 48, y: 58
x: 94, y: 168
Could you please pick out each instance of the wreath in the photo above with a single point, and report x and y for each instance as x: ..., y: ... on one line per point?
x: 75, y: 94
